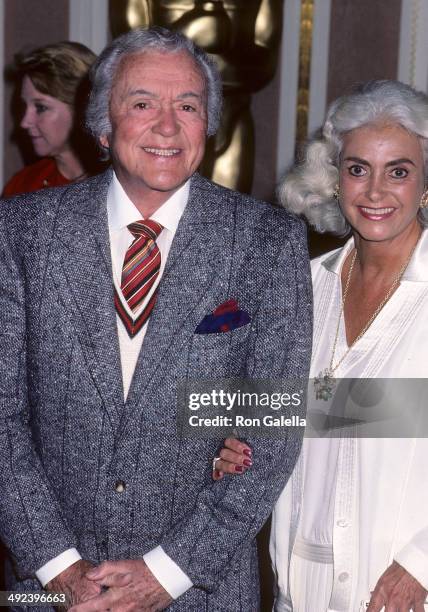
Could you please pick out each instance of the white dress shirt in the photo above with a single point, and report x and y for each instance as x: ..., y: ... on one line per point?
x: 121, y: 212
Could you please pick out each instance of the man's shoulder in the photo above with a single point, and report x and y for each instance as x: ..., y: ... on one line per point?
x: 34, y: 205
x: 252, y: 211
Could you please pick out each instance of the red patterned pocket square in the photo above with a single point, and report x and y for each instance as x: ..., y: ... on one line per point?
x: 224, y: 318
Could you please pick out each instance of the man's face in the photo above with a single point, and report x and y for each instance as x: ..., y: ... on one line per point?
x: 158, y: 118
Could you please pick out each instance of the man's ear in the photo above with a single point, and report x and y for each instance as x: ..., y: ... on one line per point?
x: 104, y: 142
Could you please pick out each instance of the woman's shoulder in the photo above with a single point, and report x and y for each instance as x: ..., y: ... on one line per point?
x: 41, y: 174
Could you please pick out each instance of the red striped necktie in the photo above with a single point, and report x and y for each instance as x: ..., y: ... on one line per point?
x: 139, y: 273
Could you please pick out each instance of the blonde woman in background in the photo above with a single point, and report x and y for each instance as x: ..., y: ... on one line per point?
x: 53, y: 90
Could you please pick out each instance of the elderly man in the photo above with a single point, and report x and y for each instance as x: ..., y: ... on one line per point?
x: 104, y: 287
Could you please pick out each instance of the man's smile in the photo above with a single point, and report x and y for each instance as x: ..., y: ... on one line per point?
x: 162, y: 152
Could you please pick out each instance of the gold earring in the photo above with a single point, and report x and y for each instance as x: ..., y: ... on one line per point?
x: 424, y: 199
x: 336, y: 193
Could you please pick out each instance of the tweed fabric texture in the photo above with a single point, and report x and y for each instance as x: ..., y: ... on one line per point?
x: 66, y: 435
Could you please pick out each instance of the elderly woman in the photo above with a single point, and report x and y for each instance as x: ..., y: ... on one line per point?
x: 351, y: 527
x: 52, y: 80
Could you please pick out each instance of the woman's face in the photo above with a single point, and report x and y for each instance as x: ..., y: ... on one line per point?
x: 47, y: 120
x: 381, y: 181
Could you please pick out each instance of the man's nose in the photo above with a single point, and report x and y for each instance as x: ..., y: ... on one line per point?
x: 167, y: 123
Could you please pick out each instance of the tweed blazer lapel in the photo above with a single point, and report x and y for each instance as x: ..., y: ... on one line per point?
x: 83, y: 276
x: 199, y: 258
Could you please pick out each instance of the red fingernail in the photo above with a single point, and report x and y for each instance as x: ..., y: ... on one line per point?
x: 247, y: 452
x: 247, y: 462
x: 239, y: 468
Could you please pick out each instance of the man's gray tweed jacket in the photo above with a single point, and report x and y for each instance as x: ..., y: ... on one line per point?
x: 66, y: 435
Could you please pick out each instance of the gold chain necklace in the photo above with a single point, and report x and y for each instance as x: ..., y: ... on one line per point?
x: 325, y: 382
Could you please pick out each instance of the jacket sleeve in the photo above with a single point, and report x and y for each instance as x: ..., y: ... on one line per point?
x: 229, y: 514
x: 31, y: 523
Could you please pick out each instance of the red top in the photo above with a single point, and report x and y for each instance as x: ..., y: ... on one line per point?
x: 43, y: 173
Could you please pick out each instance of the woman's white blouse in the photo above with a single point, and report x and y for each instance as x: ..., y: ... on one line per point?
x: 364, y: 499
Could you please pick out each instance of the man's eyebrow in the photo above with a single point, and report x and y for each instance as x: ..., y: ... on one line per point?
x: 142, y: 92
x: 151, y: 94
x: 189, y: 94
x: 393, y: 162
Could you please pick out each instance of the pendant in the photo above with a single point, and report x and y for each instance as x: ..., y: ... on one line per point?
x: 324, y: 385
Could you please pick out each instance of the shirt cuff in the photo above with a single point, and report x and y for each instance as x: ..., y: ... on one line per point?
x: 167, y: 572
x: 55, y: 566
x: 414, y: 561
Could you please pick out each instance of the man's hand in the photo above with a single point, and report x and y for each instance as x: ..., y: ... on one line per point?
x: 74, y: 584
x: 131, y: 586
x: 398, y: 591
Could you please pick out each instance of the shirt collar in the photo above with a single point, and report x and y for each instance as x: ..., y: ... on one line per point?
x: 121, y: 211
x: 416, y: 271
x: 335, y: 259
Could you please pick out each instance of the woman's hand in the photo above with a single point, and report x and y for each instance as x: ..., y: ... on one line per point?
x: 235, y: 458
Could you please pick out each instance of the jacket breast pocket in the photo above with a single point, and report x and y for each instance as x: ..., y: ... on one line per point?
x: 219, y: 355
x: 221, y: 340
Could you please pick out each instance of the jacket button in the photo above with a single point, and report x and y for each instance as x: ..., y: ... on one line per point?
x: 342, y: 523
x: 343, y: 577
x: 119, y: 486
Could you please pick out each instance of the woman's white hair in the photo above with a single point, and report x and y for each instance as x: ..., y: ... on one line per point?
x: 308, y: 189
